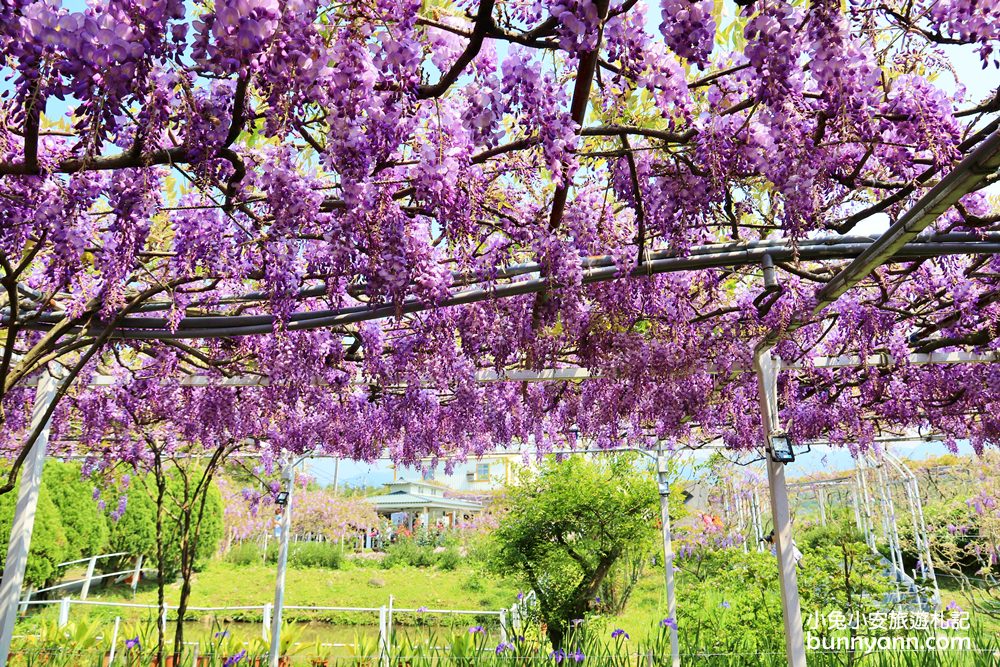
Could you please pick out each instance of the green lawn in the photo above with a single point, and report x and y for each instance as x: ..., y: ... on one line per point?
x: 224, y: 585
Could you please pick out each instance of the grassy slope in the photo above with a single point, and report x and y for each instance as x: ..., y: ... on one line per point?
x: 224, y: 585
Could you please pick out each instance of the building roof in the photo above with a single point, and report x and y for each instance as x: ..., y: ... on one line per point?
x: 400, y: 500
x: 434, y: 487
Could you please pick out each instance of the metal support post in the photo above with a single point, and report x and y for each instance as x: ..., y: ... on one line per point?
x: 767, y: 368
x: 24, y: 514
x: 64, y: 612
x: 869, y: 521
x: 288, y: 477
x: 740, y: 514
x: 893, y: 527
x: 727, y: 510
x: 388, y: 621
x: 114, y: 640
x: 857, y: 510
x: 668, y: 553
x: 137, y: 574
x: 266, y: 617
x: 821, y: 497
x: 920, y: 534
x: 383, y: 642
x: 90, y: 576
x: 757, y: 523
x: 23, y: 608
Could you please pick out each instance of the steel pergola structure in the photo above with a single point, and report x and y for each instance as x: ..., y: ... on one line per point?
x: 870, y: 491
x: 595, y: 270
x: 899, y: 241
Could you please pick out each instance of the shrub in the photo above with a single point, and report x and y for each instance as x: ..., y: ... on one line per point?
x: 134, y: 532
x: 244, y: 554
x: 85, y: 524
x: 48, y: 541
x: 406, y: 551
x: 315, y: 554
x: 449, y: 559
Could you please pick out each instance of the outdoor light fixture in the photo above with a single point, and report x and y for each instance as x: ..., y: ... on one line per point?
x: 781, y: 447
x: 281, y: 499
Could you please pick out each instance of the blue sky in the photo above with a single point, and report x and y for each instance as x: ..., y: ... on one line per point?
x: 821, y: 459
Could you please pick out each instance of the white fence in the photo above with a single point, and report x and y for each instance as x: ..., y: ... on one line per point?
x: 87, y: 580
x: 385, y: 612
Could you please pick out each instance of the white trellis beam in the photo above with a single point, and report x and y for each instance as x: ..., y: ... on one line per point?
x: 24, y: 514
x: 767, y: 375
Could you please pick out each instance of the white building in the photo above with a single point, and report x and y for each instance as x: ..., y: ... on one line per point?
x: 487, y: 473
x: 419, y: 503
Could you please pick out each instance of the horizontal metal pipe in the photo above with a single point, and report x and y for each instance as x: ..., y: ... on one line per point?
x: 213, y: 326
x: 961, y: 180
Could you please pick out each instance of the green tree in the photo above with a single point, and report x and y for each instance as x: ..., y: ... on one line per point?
x: 134, y: 532
x: 567, y: 524
x: 83, y: 521
x: 840, y: 573
x: 48, y: 540
x: 209, y: 532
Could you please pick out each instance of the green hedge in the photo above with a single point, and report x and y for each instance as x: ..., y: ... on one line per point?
x: 300, y: 554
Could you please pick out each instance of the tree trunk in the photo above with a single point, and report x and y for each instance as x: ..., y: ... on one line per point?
x: 186, y: 556
x: 555, y: 628
x: 556, y: 632
x: 190, y: 537
x: 161, y: 489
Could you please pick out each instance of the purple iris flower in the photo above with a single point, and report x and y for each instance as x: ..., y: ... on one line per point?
x: 558, y: 655
x: 477, y: 629
x: 420, y: 610
x: 615, y: 634
x: 520, y: 596
x: 233, y: 659
x: 503, y: 647
x: 132, y: 644
x: 725, y: 604
x: 221, y: 634
x: 668, y: 622
x: 578, y: 655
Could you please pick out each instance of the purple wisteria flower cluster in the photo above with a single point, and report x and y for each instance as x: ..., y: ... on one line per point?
x: 357, y: 212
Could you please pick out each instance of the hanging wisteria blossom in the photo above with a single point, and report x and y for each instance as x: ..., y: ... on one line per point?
x: 368, y: 205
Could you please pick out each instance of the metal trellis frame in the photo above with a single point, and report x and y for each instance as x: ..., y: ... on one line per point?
x: 899, y: 242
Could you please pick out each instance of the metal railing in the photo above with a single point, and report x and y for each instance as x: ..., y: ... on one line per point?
x: 385, y: 612
x: 87, y: 579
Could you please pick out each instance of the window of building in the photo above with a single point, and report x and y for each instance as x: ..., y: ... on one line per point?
x: 428, y: 474
x: 483, y: 471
